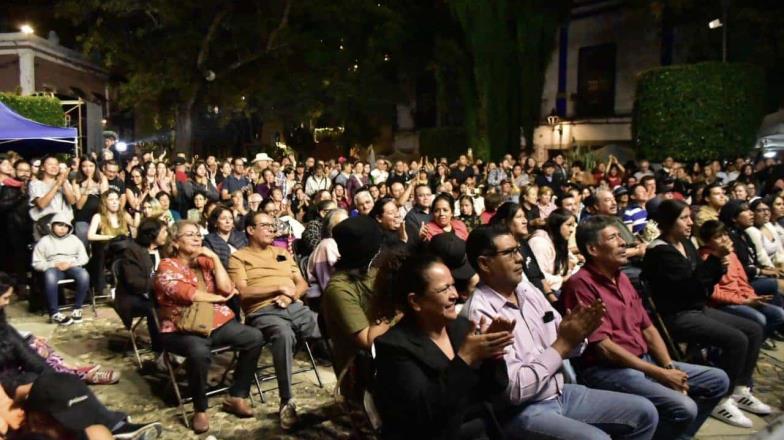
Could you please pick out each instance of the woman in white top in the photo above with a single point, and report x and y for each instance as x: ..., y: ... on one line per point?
x: 776, y: 204
x: 766, y: 240
x: 550, y: 247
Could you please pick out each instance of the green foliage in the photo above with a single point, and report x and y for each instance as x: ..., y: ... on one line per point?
x: 510, y: 43
x: 698, y: 111
x: 43, y: 109
x: 449, y: 142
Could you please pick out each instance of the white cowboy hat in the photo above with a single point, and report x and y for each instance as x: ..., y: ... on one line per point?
x: 261, y: 156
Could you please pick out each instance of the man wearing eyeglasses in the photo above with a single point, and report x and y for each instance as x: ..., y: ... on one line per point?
x: 270, y: 286
x: 540, y: 404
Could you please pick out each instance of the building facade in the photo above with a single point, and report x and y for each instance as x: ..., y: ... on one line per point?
x: 30, y: 64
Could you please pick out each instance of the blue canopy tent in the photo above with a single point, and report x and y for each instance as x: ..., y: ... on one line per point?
x: 30, y: 138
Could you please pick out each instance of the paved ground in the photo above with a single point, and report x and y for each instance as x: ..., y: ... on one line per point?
x: 144, y: 397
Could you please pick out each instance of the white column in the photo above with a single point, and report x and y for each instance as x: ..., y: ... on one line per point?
x: 27, y: 71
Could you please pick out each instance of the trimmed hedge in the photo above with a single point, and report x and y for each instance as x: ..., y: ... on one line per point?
x: 698, y: 111
x: 43, y: 109
x: 449, y: 142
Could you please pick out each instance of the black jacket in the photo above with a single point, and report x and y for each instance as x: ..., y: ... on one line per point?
x: 679, y: 283
x: 134, y: 279
x: 15, y: 213
x: 422, y: 394
x: 19, y: 364
x: 745, y: 251
x: 530, y: 266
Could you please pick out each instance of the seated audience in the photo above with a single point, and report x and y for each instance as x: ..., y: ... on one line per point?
x: 681, y: 284
x: 223, y: 238
x: 626, y: 352
x: 512, y: 216
x: 194, y: 277
x: 271, y: 287
x: 351, y: 322
x: 733, y: 293
x: 538, y: 402
x: 137, y: 266
x: 550, y: 247
x: 61, y: 255
x: 321, y: 264
x: 436, y: 375
x: 767, y: 243
x: 444, y: 220
x: 451, y: 250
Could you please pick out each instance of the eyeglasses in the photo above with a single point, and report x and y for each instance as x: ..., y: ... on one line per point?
x: 190, y: 235
x: 270, y: 226
x: 505, y: 252
x: 762, y: 210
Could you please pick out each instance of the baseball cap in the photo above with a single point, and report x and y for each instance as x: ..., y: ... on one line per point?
x: 67, y: 399
x: 452, y: 251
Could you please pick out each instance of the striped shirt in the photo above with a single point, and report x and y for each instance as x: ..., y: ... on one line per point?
x: 635, y: 216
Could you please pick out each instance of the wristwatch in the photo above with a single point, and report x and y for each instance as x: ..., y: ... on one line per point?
x: 671, y: 366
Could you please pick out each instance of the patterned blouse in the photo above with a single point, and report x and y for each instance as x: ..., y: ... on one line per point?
x: 175, y: 285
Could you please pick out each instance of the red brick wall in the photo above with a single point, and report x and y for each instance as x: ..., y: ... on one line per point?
x: 9, y: 73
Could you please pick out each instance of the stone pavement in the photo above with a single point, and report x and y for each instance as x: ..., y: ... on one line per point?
x: 97, y: 341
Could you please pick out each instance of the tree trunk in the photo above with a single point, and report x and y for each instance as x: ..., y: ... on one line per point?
x: 183, y: 125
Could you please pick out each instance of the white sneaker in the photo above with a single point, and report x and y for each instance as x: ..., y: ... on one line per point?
x: 727, y: 412
x: 61, y: 319
x: 747, y: 402
x: 76, y: 315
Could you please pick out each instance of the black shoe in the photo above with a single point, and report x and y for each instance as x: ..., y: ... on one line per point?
x: 767, y: 344
x: 138, y: 431
x: 778, y: 335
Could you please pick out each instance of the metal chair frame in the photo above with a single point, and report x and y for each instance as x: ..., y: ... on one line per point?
x: 260, y: 378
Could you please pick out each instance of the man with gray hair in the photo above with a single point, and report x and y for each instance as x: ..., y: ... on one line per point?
x: 363, y: 202
x: 626, y: 352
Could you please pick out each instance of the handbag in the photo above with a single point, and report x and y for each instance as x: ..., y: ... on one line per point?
x: 197, y: 318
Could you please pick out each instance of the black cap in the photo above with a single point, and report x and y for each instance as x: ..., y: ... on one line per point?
x: 358, y: 239
x: 179, y: 160
x: 620, y: 190
x: 67, y: 399
x: 452, y: 251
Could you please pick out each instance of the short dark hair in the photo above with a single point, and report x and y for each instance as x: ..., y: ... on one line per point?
x: 250, y: 219
x: 378, y: 207
x: 588, y: 232
x: 710, y: 229
x: 564, y: 196
x: 148, y: 231
x: 706, y: 191
x: 646, y: 178
x: 481, y: 241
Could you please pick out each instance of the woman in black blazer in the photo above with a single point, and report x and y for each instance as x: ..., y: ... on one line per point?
x: 134, y: 278
x: 436, y: 373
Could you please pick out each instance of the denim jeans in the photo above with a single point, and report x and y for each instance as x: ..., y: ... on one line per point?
x: 768, y: 286
x: 53, y: 275
x: 680, y: 416
x: 770, y: 317
x: 584, y: 413
x: 80, y: 230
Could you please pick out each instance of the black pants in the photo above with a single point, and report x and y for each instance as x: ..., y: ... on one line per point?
x: 196, y: 350
x: 137, y: 306
x: 96, y: 266
x: 738, y: 338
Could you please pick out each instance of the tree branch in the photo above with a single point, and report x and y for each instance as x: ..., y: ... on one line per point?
x: 205, y: 43
x: 284, y: 21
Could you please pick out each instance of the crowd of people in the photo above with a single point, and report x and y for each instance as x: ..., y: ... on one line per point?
x: 508, y: 299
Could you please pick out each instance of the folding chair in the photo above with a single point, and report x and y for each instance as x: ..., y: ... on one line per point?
x: 675, y: 351
x: 135, y: 321
x: 181, y: 401
x: 261, y: 379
